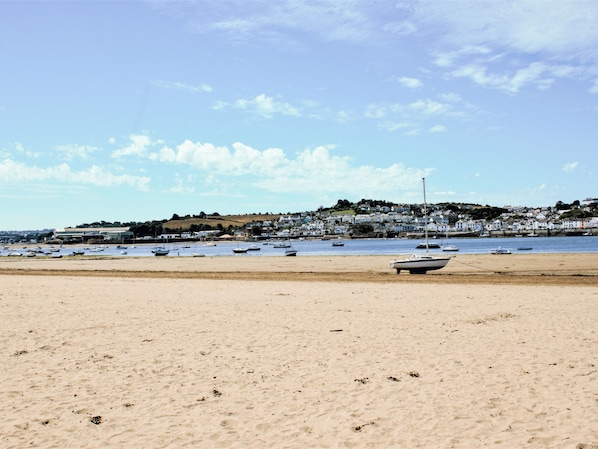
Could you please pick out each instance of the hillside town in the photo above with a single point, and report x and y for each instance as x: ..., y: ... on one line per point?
x: 385, y: 221
x: 369, y: 219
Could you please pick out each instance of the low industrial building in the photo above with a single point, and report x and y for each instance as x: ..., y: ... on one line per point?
x: 94, y: 235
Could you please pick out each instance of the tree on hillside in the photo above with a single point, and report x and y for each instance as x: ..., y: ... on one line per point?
x: 487, y: 213
x: 342, y: 205
x: 362, y: 229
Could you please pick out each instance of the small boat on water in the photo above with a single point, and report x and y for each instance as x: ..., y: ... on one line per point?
x: 240, y: 250
x: 282, y: 245
x: 290, y: 252
x: 450, y: 248
x: 160, y: 251
x: 253, y: 248
x: 427, y: 245
x: 524, y: 248
x: 500, y: 250
x: 418, y: 263
x: 338, y: 242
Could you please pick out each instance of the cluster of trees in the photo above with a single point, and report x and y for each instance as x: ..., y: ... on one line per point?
x: 348, y: 205
x: 202, y: 215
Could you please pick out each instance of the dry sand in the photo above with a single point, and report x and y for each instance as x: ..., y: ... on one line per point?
x: 305, y: 352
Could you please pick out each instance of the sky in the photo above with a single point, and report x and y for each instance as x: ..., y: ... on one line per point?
x: 139, y: 110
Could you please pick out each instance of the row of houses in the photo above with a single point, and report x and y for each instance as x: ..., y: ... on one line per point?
x: 437, y: 222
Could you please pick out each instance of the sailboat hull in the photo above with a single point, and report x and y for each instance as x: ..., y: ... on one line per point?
x: 417, y: 264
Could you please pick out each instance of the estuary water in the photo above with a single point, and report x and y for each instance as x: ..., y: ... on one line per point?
x: 517, y: 245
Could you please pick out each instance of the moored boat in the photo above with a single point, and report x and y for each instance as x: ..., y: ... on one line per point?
x: 160, y: 251
x: 450, y: 248
x: 421, y: 263
x: 500, y: 250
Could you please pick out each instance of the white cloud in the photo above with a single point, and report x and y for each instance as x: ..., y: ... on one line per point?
x: 318, y: 172
x: 12, y: 172
x: 570, y: 167
x: 220, y: 160
x: 411, y: 83
x: 312, y: 171
x: 138, y: 146
x: 594, y: 88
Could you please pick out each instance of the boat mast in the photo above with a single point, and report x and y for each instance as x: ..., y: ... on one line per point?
x: 425, y: 215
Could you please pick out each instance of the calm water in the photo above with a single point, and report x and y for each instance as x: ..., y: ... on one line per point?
x: 353, y: 247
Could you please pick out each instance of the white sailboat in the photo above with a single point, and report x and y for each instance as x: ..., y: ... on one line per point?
x: 420, y: 263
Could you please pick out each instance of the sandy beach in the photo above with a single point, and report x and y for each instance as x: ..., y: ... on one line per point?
x: 305, y: 352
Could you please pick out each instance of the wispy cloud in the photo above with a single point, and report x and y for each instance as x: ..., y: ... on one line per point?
x: 411, y: 117
x: 466, y: 36
x: 261, y: 21
x: 437, y: 129
x: 570, y: 167
x: 537, y: 74
x: 76, y: 151
x: 182, y: 86
x: 261, y: 105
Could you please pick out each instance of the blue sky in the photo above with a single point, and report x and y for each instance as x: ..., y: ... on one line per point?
x: 133, y: 111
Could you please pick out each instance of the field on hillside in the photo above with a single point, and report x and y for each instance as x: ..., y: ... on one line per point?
x: 224, y: 220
